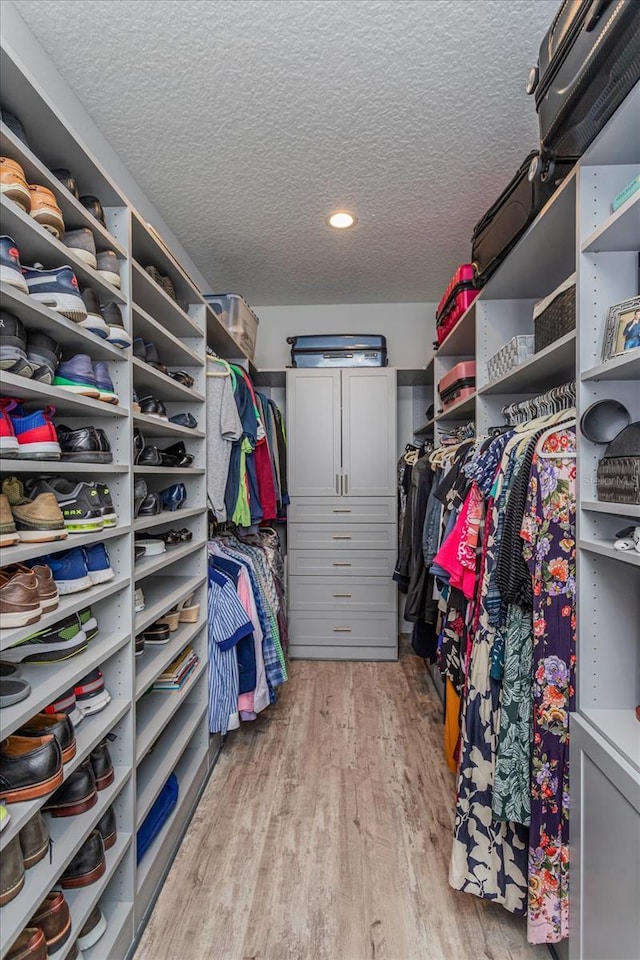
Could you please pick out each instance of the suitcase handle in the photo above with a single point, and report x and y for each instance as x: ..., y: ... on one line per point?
x: 596, y: 12
x: 337, y: 356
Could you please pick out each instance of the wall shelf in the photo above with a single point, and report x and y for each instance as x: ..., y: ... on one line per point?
x: 620, y: 231
x: 631, y: 510
x: 553, y: 365
x: 624, y: 367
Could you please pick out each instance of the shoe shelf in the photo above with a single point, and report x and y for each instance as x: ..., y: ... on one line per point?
x: 37, y: 245
x: 89, y: 733
x: 71, y: 336
x: 621, y: 729
x: 461, y: 410
x: 155, y: 659
x: 156, y: 708
x: 426, y: 430
x: 83, y: 900
x: 155, y: 427
x: 167, y: 517
x: 73, y: 213
x: 152, y: 299
x: 161, y: 594
x: 174, y: 351
x: 148, y: 248
x: 620, y: 231
x: 189, y: 771
x: 624, y: 367
x: 59, y: 467
x: 461, y: 341
x: 67, y: 836
x: 606, y: 549
x: 67, y: 404
x: 175, y: 738
x: 631, y: 510
x: 69, y: 603
x: 551, y: 366
x: 22, y: 552
x: 145, y: 566
x: 171, y: 471
x: 147, y: 378
x: 119, y: 933
x: 48, y: 679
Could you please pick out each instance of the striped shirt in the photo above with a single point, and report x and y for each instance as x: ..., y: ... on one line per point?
x: 228, y: 623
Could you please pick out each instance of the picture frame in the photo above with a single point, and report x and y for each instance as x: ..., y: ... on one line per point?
x: 622, y: 329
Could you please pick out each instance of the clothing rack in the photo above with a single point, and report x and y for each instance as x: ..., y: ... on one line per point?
x: 552, y: 401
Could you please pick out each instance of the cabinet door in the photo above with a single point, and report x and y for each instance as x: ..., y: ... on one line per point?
x: 313, y: 432
x: 369, y: 432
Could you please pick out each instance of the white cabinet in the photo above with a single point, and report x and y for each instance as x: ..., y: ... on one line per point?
x: 342, y: 524
x: 342, y: 432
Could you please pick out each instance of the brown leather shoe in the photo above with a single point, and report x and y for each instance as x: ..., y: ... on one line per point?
x: 19, y: 600
x: 30, y: 945
x: 47, y: 589
x: 30, y: 767
x: 57, y: 724
x: 11, y: 872
x: 88, y: 865
x: 8, y: 533
x: 34, y: 840
x: 45, y: 210
x: 13, y: 183
x: 54, y: 919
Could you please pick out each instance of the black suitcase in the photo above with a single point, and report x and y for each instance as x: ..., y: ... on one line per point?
x: 339, y: 350
x: 589, y: 61
x: 507, y: 219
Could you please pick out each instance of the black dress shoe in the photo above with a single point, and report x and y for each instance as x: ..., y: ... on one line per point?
x: 178, y: 452
x: 106, y: 827
x: 138, y: 444
x: 151, y: 506
x: 184, y: 420
x: 30, y: 767
x: 57, y: 724
x: 88, y: 865
x: 102, y: 765
x: 76, y: 795
x: 93, y: 205
x: 152, y: 407
x: 139, y: 494
x: 139, y: 351
x: 67, y: 180
x: 150, y: 457
x: 85, y: 445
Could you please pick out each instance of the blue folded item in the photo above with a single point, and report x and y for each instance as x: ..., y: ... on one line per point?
x: 157, y: 816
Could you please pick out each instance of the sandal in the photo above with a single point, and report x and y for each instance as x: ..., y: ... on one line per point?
x: 172, y: 618
x: 157, y: 633
x: 187, y: 610
x: 185, y: 535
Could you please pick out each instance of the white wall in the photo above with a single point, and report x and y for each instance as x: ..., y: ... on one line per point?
x: 408, y: 327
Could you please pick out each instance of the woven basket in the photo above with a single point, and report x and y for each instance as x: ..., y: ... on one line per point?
x: 558, y: 318
x: 618, y: 479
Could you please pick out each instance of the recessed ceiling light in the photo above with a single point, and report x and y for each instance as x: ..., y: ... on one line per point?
x: 341, y: 220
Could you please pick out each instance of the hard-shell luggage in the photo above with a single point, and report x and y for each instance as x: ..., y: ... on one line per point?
x: 459, y: 383
x: 457, y: 298
x: 507, y: 219
x: 339, y: 350
x: 589, y: 61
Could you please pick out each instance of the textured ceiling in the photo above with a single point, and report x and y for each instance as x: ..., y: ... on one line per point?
x: 247, y: 121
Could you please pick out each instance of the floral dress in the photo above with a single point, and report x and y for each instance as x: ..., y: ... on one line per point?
x: 548, y: 531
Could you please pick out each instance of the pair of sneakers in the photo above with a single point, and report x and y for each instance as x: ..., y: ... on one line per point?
x: 86, y: 377
x: 628, y: 539
x: 34, y: 354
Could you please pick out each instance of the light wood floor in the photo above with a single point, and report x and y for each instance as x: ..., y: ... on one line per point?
x: 324, y: 834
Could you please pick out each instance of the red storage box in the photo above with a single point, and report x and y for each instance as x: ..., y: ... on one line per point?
x: 457, y: 299
x: 459, y: 383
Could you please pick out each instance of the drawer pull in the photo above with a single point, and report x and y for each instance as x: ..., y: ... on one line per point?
x: 342, y: 538
x: 341, y: 564
x: 342, y: 629
x: 348, y: 510
x: 343, y: 594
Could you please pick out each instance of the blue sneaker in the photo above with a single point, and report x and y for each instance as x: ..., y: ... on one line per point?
x: 98, y: 563
x: 10, y: 268
x: 69, y: 570
x: 104, y: 382
x: 77, y: 375
x: 58, y: 289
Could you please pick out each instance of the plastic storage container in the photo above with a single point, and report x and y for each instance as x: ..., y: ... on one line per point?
x: 515, y: 352
x: 238, y: 318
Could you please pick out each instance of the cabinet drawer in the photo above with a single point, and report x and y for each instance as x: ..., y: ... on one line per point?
x: 347, y: 563
x: 355, y: 594
x: 342, y: 629
x: 343, y: 510
x: 339, y: 536
x: 347, y: 652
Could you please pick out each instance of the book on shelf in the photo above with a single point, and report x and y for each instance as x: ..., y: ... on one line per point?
x: 178, y: 672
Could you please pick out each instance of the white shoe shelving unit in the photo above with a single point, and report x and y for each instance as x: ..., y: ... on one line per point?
x: 156, y: 732
x: 576, y: 232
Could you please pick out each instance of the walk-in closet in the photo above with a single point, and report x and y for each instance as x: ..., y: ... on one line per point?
x: 319, y: 480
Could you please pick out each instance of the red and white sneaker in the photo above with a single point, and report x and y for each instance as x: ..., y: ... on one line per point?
x: 91, y: 693
x: 36, y: 433
x: 66, y: 703
x: 9, y: 446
